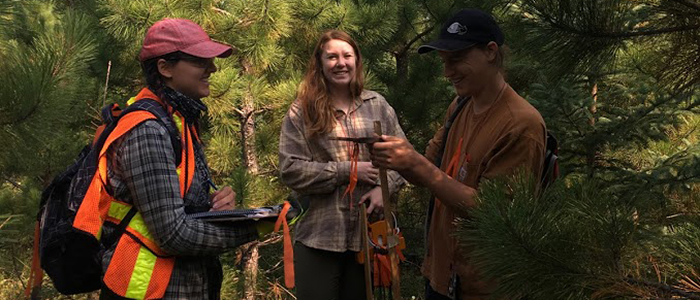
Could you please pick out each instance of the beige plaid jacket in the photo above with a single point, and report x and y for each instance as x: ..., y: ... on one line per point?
x: 320, y: 169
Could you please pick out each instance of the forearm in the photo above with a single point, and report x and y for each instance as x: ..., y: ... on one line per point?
x: 451, y: 193
x: 396, y: 182
x: 146, y: 164
x: 308, y: 177
x: 195, y: 237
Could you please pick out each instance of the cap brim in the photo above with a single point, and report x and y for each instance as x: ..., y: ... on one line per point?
x: 209, y: 49
x: 445, y: 45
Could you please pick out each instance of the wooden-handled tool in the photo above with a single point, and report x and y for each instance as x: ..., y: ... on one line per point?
x: 392, y: 239
x: 365, y: 249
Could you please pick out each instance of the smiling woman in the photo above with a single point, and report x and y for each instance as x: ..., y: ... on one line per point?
x: 333, y: 173
x: 157, y: 170
x: 188, y: 74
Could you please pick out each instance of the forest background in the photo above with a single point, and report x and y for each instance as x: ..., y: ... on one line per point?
x: 616, y: 81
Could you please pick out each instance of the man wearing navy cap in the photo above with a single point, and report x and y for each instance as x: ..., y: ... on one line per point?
x: 495, y: 132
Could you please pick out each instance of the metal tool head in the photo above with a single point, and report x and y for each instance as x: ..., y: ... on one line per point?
x: 361, y: 140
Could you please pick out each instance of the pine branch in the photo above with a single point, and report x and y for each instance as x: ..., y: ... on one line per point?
x: 12, y: 182
x: 427, y: 8
x: 619, y: 35
x: 419, y: 36
x: 221, y: 11
x: 568, y: 116
x: 687, y: 3
x: 662, y: 287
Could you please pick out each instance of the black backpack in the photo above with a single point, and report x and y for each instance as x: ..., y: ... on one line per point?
x: 73, y: 258
x: 550, y: 170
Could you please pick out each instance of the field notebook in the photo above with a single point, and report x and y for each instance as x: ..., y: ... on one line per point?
x: 248, y: 214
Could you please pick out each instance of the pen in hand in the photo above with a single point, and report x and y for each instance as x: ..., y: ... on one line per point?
x: 211, y: 184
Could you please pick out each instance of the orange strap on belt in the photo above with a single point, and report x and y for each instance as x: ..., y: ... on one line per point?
x: 354, y: 156
x: 287, y: 241
x: 382, y: 270
x: 36, y: 274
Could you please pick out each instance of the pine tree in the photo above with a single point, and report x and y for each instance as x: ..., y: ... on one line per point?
x: 578, y: 240
x: 629, y: 148
x: 47, y: 82
x: 44, y: 68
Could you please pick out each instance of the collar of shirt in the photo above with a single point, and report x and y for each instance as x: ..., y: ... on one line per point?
x: 364, y: 96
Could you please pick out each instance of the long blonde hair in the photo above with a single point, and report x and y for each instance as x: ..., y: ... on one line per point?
x: 314, y: 92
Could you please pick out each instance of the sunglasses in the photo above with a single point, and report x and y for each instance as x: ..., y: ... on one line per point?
x: 198, y: 62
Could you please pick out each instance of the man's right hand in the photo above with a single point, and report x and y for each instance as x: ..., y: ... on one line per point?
x: 367, y: 173
x: 395, y: 153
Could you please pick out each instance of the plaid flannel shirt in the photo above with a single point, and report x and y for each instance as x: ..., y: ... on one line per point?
x: 320, y: 169
x: 142, y: 172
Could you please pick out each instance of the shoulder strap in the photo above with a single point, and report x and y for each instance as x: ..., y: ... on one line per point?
x: 550, y: 170
x: 461, y: 102
x: 157, y: 109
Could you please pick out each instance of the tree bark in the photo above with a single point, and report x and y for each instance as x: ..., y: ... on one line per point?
x: 249, y: 264
x: 401, y: 68
x: 250, y: 254
x: 592, y: 152
x: 249, y: 155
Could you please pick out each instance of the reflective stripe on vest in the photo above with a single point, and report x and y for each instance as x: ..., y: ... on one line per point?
x: 138, y: 269
x: 135, y: 270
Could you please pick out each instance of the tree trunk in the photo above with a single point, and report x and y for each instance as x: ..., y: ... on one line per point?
x: 592, y: 152
x: 249, y: 264
x: 401, y: 68
x: 250, y: 254
x: 249, y: 156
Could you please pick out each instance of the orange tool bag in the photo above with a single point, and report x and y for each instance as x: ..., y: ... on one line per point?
x: 379, y: 252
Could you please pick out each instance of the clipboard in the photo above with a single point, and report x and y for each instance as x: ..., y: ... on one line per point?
x: 249, y: 214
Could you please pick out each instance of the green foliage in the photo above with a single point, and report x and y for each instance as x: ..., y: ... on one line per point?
x: 626, y: 209
x: 45, y: 79
x: 580, y: 239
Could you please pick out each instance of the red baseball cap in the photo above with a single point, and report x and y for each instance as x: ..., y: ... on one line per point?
x: 171, y: 35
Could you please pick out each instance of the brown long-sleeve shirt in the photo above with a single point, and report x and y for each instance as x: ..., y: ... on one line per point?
x: 509, y: 135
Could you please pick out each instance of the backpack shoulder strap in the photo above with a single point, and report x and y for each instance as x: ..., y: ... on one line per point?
x: 550, y: 170
x: 156, y: 108
x: 461, y: 102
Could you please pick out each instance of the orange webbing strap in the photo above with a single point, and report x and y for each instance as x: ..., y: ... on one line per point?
x: 288, y: 251
x: 187, y: 173
x: 196, y: 135
x: 98, y: 133
x: 92, y: 211
x: 382, y: 270
x: 354, y: 156
x: 146, y: 93
x: 36, y: 274
x: 380, y: 259
x: 124, y: 124
x: 452, y: 166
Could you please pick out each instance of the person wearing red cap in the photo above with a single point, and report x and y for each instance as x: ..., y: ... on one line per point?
x: 165, y: 254
x: 495, y: 132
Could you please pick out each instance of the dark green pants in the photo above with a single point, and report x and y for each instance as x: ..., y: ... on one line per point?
x: 326, y: 275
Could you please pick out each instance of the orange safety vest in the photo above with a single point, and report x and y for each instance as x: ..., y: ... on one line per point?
x: 139, y: 269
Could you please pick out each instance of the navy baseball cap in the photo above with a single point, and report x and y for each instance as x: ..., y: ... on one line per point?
x: 465, y: 29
